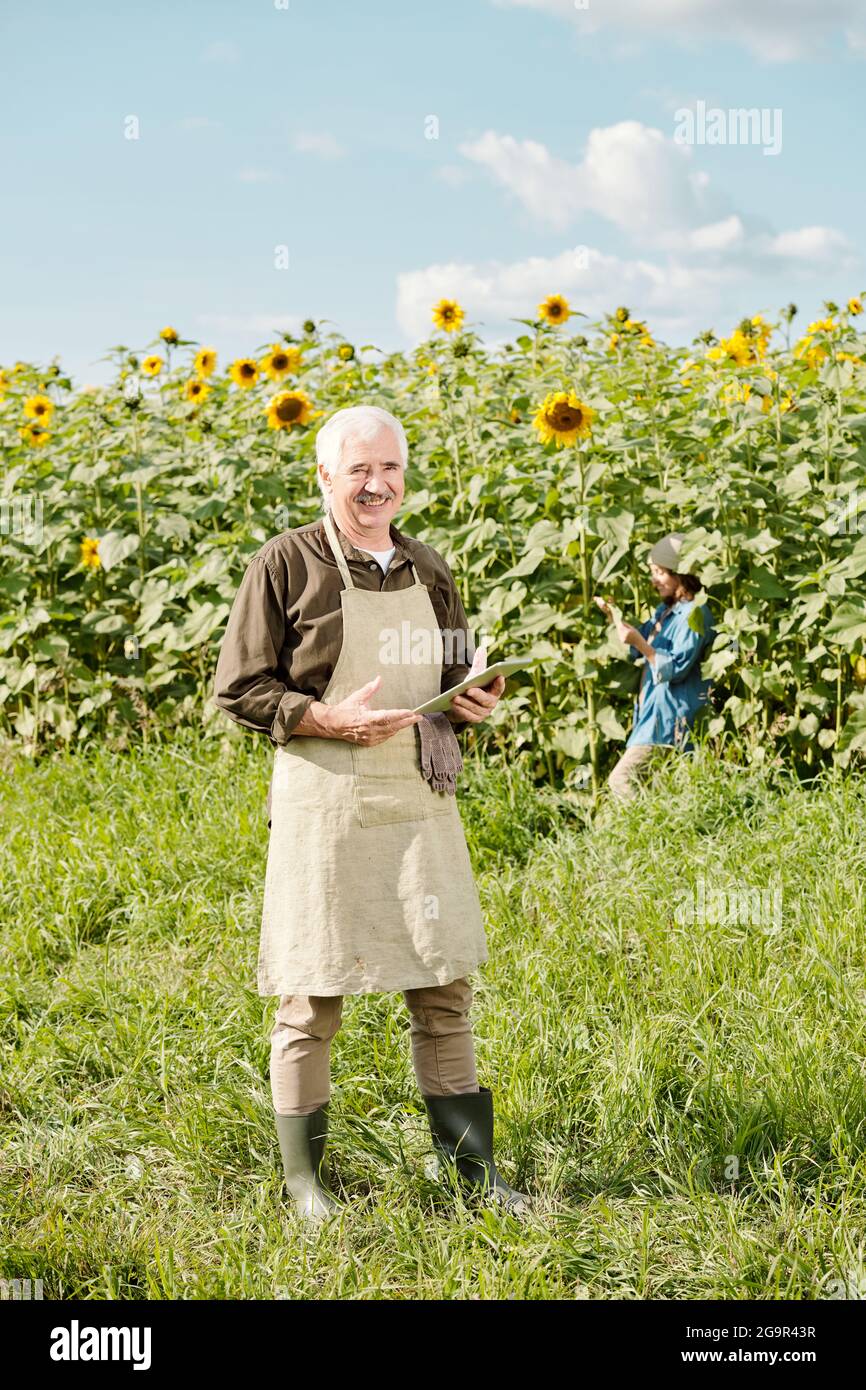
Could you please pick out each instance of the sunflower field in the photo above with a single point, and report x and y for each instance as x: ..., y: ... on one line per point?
x: 542, y: 469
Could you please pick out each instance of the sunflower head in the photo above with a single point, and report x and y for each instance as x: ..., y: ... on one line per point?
x: 244, y: 372
x: 152, y: 365
x: 195, y: 390
x: 34, y: 435
x: 855, y: 305
x: 309, y: 326
x: 205, y: 361
x: 622, y: 314
x: 346, y: 352
x: 39, y: 407
x: 90, y: 553
x: 563, y: 418
x: 448, y: 315
x: 168, y: 335
x: 554, y: 309
x: 280, y: 360
x: 288, y: 408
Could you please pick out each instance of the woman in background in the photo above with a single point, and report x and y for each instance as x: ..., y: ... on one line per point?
x: 672, y: 689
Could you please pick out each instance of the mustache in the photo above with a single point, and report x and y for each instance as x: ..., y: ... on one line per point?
x: 371, y: 496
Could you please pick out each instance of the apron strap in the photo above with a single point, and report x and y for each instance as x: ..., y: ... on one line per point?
x: 341, y: 559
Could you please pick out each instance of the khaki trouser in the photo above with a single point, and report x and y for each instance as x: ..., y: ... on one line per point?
x: 443, y: 1052
x: 624, y: 780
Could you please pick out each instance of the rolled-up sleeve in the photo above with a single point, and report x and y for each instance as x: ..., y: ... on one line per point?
x: 246, y: 685
x: 675, y: 665
x: 644, y: 630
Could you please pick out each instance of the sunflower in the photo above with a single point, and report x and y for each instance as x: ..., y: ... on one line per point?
x: 288, y: 408
x: 515, y: 415
x: 561, y: 416
x: 448, y: 314
x: 737, y: 393
x: 821, y: 326
x: 786, y: 403
x: 813, y: 354
x: 195, y: 390
x: 280, y: 361
x: 613, y: 342
x: 346, y: 351
x: 849, y: 357
x: 622, y: 314
x: 39, y: 408
x: 737, y: 349
x: 205, y: 361
x: 855, y: 305
x: 4, y: 382
x: 244, y: 371
x: 168, y: 335
x: 34, y: 435
x: 90, y: 553
x: 554, y: 309
x: 153, y: 365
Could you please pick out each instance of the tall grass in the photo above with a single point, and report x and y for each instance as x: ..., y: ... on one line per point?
x: 685, y: 1102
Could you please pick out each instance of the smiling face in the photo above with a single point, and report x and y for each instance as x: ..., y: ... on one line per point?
x: 665, y: 582
x: 367, y: 489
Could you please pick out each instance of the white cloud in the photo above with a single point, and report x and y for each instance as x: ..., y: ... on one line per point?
x: 220, y: 52
x: 774, y: 32
x: 718, y: 236
x: 643, y: 182
x: 813, y: 244
x: 323, y: 145
x: 631, y: 174
x: 680, y: 297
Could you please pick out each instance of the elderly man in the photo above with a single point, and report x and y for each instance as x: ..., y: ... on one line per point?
x: 335, y: 637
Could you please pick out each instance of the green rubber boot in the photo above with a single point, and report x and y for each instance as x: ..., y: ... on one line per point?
x: 462, y: 1130
x: 302, y: 1145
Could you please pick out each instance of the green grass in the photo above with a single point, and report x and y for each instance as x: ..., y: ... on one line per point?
x: 636, y: 1062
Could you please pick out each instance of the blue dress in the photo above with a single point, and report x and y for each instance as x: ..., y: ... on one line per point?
x: 672, y: 686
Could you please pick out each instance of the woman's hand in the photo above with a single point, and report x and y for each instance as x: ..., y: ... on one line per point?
x: 624, y: 631
x: 476, y: 704
x: 353, y: 721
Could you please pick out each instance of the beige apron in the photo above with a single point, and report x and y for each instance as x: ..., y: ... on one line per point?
x: 368, y: 885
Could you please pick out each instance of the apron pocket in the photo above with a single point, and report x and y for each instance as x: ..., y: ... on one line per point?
x: 387, y: 783
x: 381, y: 799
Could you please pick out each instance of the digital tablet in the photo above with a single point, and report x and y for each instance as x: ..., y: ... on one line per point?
x: 481, y: 678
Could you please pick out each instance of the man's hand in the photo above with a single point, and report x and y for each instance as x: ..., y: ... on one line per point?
x: 353, y: 721
x: 475, y: 704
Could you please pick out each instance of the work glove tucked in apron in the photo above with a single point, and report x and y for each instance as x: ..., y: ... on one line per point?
x: 440, y: 752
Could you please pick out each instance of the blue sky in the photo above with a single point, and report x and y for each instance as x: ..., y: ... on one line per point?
x: 555, y: 168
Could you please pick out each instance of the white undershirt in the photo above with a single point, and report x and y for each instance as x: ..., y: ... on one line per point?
x: 383, y: 556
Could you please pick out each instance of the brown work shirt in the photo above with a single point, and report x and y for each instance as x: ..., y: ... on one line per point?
x: 285, y: 629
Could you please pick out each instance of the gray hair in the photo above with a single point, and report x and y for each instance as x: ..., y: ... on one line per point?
x: 359, y: 422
